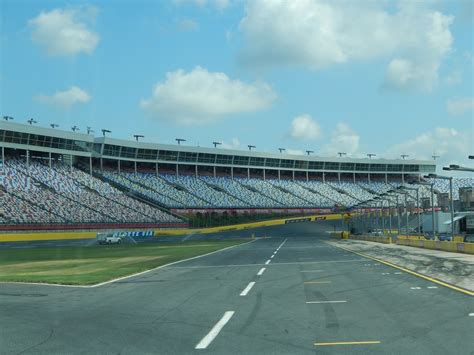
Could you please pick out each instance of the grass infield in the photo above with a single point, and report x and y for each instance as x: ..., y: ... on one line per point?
x: 95, y: 264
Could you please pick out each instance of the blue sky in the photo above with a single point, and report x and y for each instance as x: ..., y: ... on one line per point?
x: 361, y: 77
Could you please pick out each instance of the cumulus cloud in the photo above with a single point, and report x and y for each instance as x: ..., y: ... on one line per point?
x: 305, y: 127
x: 65, y: 99
x: 233, y: 144
x: 343, y: 139
x: 200, y: 97
x: 218, y: 4
x: 294, y: 151
x: 65, y: 32
x: 451, y: 145
x: 459, y: 106
x: 317, y: 34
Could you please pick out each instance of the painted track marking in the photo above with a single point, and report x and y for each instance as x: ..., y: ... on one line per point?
x: 204, y: 343
x: 262, y: 270
x: 317, y: 282
x: 349, y: 343
x: 408, y: 271
x: 247, y: 289
x: 315, y: 302
x: 311, y: 270
x: 267, y: 262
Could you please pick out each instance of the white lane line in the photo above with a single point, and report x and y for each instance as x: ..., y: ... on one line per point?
x: 415, y: 288
x: 398, y: 273
x: 311, y: 270
x: 262, y: 270
x: 253, y: 265
x: 267, y: 262
x: 271, y: 257
x: 385, y: 273
x: 204, y: 343
x: 247, y: 289
x: 282, y: 244
x: 313, y: 302
x: 471, y: 314
x: 432, y: 287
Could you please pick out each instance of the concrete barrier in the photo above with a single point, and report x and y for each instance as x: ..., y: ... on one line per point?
x: 456, y: 247
x: 378, y: 239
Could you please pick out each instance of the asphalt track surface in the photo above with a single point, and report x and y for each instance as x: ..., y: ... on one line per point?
x: 306, y: 298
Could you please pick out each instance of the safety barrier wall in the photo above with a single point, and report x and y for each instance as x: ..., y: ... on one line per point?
x: 35, y: 236
x: 467, y: 248
x: 377, y: 239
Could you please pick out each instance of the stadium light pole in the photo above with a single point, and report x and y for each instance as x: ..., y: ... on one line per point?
x: 138, y: 136
x: 451, y: 207
x: 471, y: 156
x: 74, y: 128
x: 281, y: 150
x: 454, y: 167
x: 251, y: 147
x: 417, y: 203
x: 8, y: 118
x: 309, y: 152
x: 432, y: 204
x: 403, y: 156
x: 179, y: 140
x: 341, y: 154
x: 216, y: 144
x: 53, y: 125
x: 31, y: 121
x: 434, y: 156
x: 89, y: 130
x: 104, y: 131
x: 370, y: 155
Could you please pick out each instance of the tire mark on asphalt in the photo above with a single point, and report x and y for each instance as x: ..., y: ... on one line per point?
x: 253, y: 313
x: 51, y: 332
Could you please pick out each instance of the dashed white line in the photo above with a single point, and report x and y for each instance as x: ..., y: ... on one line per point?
x: 398, y: 273
x: 262, y: 270
x: 314, y: 302
x: 415, y: 288
x: 271, y: 257
x: 247, y: 289
x: 311, y: 270
x: 432, y: 287
x: 471, y: 314
x: 267, y: 262
x: 204, y: 343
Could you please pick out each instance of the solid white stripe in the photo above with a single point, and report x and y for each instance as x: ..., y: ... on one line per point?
x: 267, y: 262
x: 204, y: 343
x: 326, y: 302
x: 262, y: 270
x: 311, y: 270
x: 247, y: 289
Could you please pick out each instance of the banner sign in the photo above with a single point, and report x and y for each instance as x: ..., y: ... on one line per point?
x: 297, y: 220
x: 135, y: 234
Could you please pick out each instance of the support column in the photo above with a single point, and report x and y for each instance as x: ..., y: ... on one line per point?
x: 354, y: 177
x: 232, y: 172
x: 248, y: 173
x: 264, y: 176
x: 214, y: 171
x: 196, y: 170
x: 90, y: 166
x: 118, y: 165
x: 307, y: 176
x: 279, y: 175
x: 293, y: 175
x: 135, y: 166
x: 156, y: 169
x: 177, y: 174
x: 49, y: 157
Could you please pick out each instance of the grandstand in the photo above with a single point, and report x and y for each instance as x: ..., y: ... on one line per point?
x: 54, y: 177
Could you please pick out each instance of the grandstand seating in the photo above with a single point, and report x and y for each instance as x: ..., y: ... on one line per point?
x: 38, y: 193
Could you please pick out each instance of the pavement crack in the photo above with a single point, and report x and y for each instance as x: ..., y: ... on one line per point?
x: 51, y: 332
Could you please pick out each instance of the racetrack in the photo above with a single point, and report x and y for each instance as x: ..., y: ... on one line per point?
x: 278, y: 295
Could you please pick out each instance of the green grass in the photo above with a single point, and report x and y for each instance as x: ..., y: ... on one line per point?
x: 95, y: 264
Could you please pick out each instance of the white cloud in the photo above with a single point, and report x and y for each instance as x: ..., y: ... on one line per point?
x: 218, y: 4
x: 66, y: 99
x: 188, y: 25
x: 459, y: 106
x: 343, y: 139
x: 294, y: 151
x: 61, y: 32
x: 233, y: 144
x: 200, y: 97
x: 454, y: 78
x: 317, y: 34
x: 305, y: 127
x: 451, y: 145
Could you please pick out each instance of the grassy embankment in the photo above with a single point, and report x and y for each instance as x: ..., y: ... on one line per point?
x: 95, y: 264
